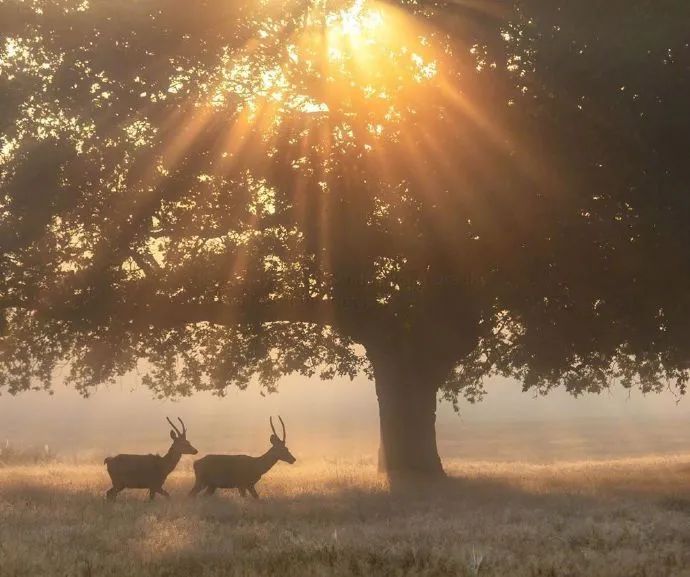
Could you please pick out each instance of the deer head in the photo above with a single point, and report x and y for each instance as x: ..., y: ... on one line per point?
x: 280, y: 450
x: 179, y: 438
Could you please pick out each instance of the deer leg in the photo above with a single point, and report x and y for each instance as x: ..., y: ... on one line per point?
x: 111, y: 493
x: 152, y: 494
x: 243, y: 492
x: 196, y: 489
x: 209, y: 491
x: 252, y: 492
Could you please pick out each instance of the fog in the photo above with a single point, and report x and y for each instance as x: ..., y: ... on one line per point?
x: 339, y: 419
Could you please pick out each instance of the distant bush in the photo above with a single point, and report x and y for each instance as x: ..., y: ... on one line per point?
x: 13, y: 455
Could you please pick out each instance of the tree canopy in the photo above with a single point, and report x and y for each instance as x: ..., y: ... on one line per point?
x: 432, y: 192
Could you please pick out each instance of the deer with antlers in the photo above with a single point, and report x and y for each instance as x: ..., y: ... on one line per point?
x: 148, y: 471
x: 239, y: 472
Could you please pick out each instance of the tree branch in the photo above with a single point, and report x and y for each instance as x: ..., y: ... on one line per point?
x: 143, y: 311
x: 162, y: 312
x: 146, y: 262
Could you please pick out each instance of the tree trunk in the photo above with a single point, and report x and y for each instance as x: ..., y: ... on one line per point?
x: 407, y: 411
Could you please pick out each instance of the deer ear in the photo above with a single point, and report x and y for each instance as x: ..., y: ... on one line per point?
x: 173, y: 435
x: 275, y: 440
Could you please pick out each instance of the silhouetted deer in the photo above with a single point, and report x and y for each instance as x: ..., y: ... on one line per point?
x: 239, y: 472
x: 148, y: 471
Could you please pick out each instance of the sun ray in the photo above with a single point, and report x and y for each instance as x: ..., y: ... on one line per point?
x: 363, y: 80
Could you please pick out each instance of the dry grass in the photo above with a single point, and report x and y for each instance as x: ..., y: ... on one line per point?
x: 617, y: 518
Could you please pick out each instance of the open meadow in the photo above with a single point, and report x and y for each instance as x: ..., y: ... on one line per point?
x: 624, y: 518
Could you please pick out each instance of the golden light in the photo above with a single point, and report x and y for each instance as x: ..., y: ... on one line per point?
x: 367, y: 49
x: 358, y: 21
x: 310, y: 87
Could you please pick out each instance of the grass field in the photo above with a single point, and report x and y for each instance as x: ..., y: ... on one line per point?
x: 622, y: 518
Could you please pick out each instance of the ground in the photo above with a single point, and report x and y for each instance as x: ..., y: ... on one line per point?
x: 622, y: 518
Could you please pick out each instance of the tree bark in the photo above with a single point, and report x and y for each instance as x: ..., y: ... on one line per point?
x: 407, y: 411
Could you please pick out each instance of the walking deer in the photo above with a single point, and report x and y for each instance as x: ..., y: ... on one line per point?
x: 239, y: 472
x: 148, y: 471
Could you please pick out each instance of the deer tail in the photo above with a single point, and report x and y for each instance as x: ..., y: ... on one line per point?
x: 107, y: 460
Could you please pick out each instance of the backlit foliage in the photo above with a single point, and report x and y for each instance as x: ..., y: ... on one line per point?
x: 219, y: 191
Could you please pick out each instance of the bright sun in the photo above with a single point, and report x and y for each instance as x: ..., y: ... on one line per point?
x: 348, y: 78
x: 357, y: 21
x: 365, y: 47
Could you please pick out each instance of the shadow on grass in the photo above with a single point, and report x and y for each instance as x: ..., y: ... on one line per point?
x: 56, y: 484
x: 322, y: 499
x: 55, y: 525
x: 446, y: 497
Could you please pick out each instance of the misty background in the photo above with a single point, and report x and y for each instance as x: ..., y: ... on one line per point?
x: 339, y: 419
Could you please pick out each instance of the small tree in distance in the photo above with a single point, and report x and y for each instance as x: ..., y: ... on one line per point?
x: 428, y: 193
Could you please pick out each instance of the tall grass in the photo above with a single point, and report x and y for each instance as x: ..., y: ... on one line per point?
x: 618, y: 518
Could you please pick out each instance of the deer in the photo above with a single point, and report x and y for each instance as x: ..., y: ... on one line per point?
x: 148, y: 471
x: 239, y: 472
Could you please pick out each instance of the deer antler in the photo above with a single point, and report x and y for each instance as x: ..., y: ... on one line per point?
x: 270, y: 420
x: 184, y: 429
x: 282, y: 425
x: 173, y: 426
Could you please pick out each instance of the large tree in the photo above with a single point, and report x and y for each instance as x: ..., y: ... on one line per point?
x: 431, y: 192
